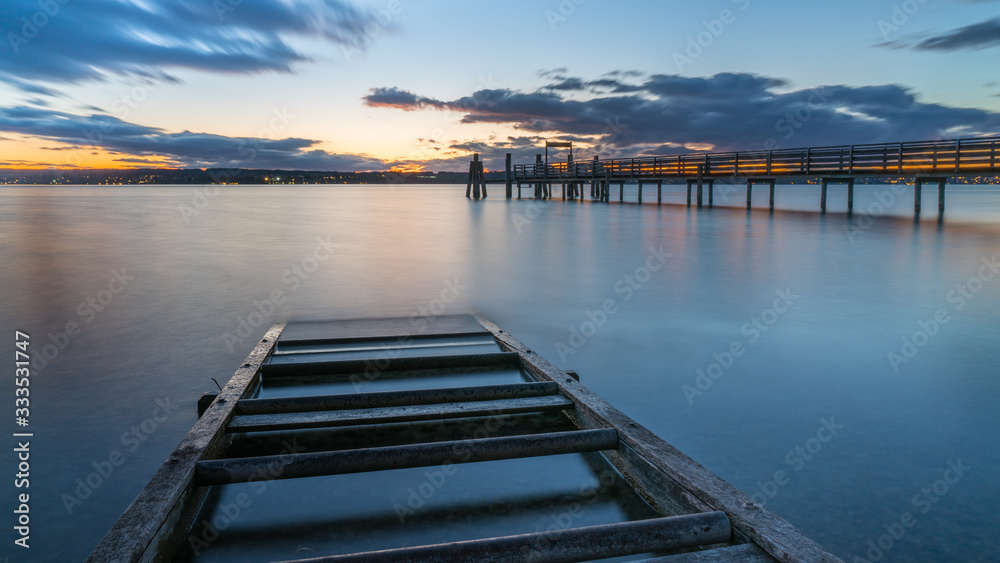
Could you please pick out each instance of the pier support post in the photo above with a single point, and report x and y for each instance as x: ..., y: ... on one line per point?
x: 477, y: 179
x: 941, y: 185
x: 917, y: 184
x: 770, y: 184
x: 749, y: 193
x: 621, y: 191
x: 508, y: 176
x: 822, y: 196
x: 850, y: 195
x: 640, y: 192
x: 689, y: 192
x: 468, y: 183
x: 700, y: 179
x: 711, y: 189
x: 659, y: 192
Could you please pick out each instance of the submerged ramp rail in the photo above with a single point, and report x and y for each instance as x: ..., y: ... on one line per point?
x: 687, y: 513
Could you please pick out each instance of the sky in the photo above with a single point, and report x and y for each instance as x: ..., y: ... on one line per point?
x: 421, y: 85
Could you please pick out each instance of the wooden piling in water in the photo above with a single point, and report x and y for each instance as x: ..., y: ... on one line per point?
x: 508, y: 175
x: 918, y: 183
x: 701, y: 170
x: 476, y: 184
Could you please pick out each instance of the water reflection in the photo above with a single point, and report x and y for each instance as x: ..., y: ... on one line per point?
x: 196, y: 279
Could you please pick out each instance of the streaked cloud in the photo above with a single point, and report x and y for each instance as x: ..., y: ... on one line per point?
x: 57, y: 42
x: 727, y: 111
x: 976, y: 36
x: 137, y: 143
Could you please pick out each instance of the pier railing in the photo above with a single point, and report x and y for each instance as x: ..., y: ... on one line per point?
x: 948, y: 157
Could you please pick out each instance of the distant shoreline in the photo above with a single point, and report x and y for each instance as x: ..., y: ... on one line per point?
x: 196, y: 176
x: 238, y: 176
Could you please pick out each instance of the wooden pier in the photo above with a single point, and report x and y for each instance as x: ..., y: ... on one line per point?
x: 919, y: 163
x: 691, y: 514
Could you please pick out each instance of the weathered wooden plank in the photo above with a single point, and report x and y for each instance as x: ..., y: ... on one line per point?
x: 563, y: 546
x: 440, y: 343
x: 146, y: 529
x: 380, y: 435
x: 380, y: 329
x: 292, y: 466
x: 385, y: 415
x: 361, y: 380
x: 396, y: 398
x: 744, y: 553
x: 390, y: 364
x: 779, y: 538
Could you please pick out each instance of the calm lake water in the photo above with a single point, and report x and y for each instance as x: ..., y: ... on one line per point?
x: 841, y: 369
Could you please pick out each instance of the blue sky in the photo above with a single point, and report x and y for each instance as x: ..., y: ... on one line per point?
x: 373, y: 84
